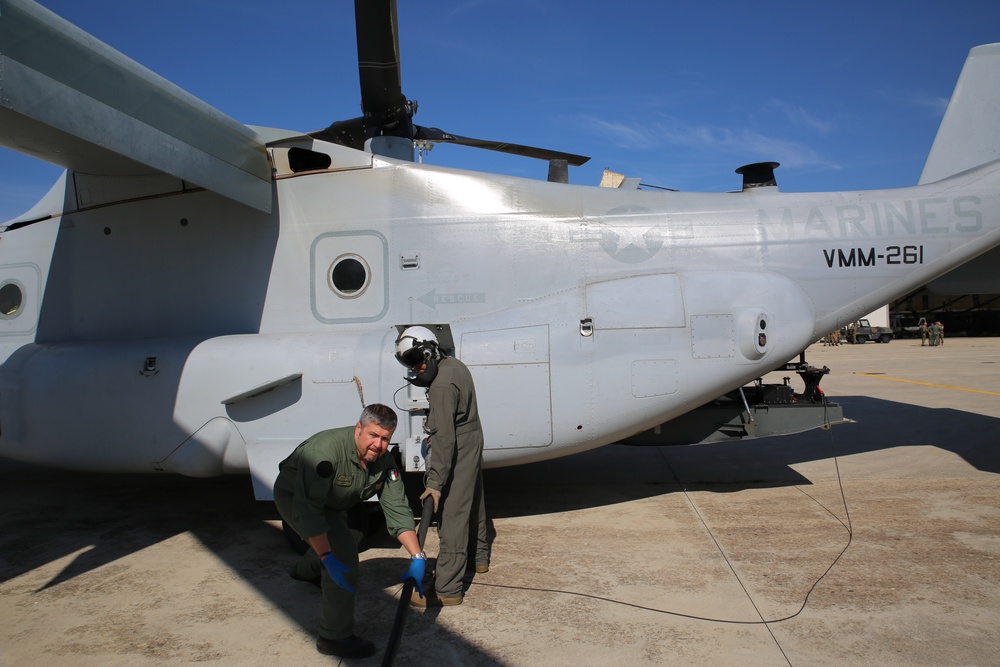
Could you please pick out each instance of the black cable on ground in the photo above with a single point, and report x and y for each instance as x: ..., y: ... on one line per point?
x: 763, y: 621
x: 848, y: 526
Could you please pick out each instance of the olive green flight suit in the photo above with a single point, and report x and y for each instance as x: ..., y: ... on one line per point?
x: 456, y: 460
x: 313, y: 499
x: 935, y: 334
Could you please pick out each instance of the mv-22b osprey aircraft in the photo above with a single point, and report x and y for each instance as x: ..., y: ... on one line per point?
x: 197, y: 296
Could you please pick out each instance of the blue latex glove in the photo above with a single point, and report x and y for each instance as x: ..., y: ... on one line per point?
x: 416, y: 572
x: 336, y: 569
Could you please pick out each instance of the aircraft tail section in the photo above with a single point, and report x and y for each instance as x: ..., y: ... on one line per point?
x: 970, y: 130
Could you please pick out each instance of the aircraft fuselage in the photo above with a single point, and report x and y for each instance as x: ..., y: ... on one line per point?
x: 188, y: 333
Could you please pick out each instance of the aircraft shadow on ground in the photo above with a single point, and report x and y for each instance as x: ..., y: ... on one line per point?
x: 619, y: 473
x: 50, y: 515
x: 94, y: 520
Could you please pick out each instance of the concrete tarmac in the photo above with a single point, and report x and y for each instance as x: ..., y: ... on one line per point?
x: 873, y: 543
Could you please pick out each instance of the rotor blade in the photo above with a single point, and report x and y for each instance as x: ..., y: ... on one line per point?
x: 440, y: 136
x: 382, y: 97
x: 349, y: 133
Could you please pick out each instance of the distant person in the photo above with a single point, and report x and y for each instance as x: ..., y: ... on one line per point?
x: 454, y: 471
x: 925, y: 333
x: 941, y: 333
x: 325, y: 476
x: 854, y: 333
x: 936, y: 334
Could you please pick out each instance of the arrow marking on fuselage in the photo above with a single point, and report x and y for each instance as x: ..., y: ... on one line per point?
x: 432, y: 299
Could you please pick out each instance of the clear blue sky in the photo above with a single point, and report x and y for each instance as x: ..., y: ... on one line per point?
x: 845, y: 95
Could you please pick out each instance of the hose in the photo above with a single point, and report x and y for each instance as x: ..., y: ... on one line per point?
x: 404, y: 599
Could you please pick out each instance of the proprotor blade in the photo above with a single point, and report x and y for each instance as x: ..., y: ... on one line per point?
x: 382, y: 97
x: 440, y: 136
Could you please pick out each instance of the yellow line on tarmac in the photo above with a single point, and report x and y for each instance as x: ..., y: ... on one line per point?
x: 930, y: 384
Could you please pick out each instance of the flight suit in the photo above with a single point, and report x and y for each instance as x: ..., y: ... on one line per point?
x: 313, y: 498
x: 935, y: 334
x: 455, y: 469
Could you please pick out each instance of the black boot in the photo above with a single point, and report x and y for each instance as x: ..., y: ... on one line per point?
x: 349, y: 647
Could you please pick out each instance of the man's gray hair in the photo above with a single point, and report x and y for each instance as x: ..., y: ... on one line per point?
x: 381, y: 415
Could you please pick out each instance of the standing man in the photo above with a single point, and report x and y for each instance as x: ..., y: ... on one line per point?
x: 936, y: 330
x: 325, y: 476
x: 454, y: 475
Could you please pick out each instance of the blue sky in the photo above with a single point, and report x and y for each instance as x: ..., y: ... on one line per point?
x: 845, y: 95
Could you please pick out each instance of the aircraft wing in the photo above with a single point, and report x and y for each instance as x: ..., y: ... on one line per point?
x: 69, y: 99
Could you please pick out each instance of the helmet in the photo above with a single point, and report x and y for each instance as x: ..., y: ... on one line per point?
x: 415, y: 346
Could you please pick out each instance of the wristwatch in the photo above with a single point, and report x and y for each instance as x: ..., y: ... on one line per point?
x: 419, y: 556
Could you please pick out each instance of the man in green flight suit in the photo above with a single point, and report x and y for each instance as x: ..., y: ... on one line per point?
x: 454, y: 471
x: 936, y: 330
x: 325, y: 476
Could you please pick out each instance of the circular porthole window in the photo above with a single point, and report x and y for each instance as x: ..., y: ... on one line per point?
x: 350, y: 276
x: 11, y: 299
